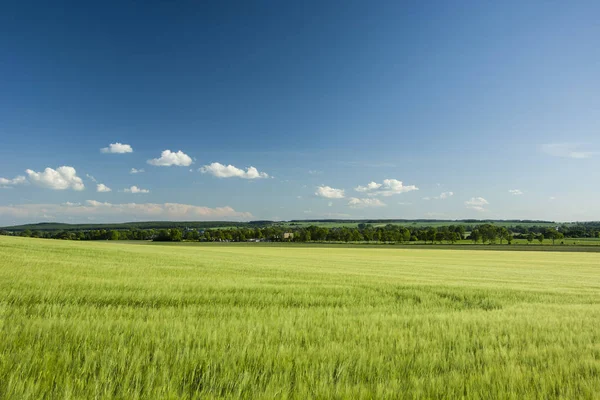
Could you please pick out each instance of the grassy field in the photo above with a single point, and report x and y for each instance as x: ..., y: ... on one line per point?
x: 120, y: 320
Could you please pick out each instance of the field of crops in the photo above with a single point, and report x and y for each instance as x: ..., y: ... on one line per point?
x: 123, y: 320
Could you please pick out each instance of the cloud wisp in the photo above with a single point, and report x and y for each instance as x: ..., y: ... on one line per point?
x: 136, y: 171
x: 6, y: 183
x: 122, y: 212
x: 442, y: 196
x: 477, y: 203
x: 135, y: 190
x: 515, y: 192
x: 568, y: 150
x: 364, y: 203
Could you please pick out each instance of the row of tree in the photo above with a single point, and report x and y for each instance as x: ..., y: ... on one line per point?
x: 486, y: 233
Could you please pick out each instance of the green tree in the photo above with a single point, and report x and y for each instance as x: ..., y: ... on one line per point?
x: 475, y: 235
x: 175, y: 235
x: 431, y: 234
x: 503, y: 233
x: 162, y: 236
x: 559, y: 235
x: 530, y: 237
x: 540, y: 238
x: 510, y: 238
x: 192, y: 235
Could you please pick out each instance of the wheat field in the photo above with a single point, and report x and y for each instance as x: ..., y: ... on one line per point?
x: 104, y: 320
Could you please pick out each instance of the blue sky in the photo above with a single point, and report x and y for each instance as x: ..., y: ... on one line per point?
x: 344, y: 109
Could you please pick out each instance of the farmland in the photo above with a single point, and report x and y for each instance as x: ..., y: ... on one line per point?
x: 201, y: 320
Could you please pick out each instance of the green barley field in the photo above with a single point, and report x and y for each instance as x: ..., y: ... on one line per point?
x: 108, y: 320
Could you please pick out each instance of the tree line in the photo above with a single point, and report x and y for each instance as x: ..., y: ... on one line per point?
x: 390, y: 233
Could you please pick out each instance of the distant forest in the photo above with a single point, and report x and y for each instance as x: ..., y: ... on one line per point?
x: 393, y: 231
x: 52, y: 226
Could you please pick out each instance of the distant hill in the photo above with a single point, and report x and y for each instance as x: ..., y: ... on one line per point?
x: 410, y: 221
x: 53, y: 226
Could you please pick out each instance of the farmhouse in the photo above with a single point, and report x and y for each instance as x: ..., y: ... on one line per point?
x: 288, y: 236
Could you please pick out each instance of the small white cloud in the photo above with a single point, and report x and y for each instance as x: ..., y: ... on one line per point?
x: 315, y: 172
x: 515, y: 192
x: 168, y: 158
x: 229, y: 171
x: 476, y: 203
x: 135, y: 189
x: 551, y: 198
x: 569, y: 150
x: 389, y: 187
x: 117, y: 148
x: 61, y: 178
x: 362, y: 203
x: 329, y: 192
x: 330, y: 204
x: 19, y: 180
x: 101, y: 187
x: 370, y: 186
x: 136, y: 171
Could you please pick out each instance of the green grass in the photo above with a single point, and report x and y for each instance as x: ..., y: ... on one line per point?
x: 119, y: 320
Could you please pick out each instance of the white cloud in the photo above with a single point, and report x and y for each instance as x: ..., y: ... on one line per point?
x: 476, y: 203
x: 93, y: 209
x: 117, y: 148
x: 329, y: 192
x: 136, y: 171
x: 569, y: 150
x: 370, y: 186
x: 229, y: 171
x: 91, y: 178
x: 168, y: 158
x: 315, y: 172
x: 19, y: 180
x: 362, y: 203
x: 61, y: 178
x: 389, y: 187
x: 442, y: 196
x: 135, y: 189
x: 515, y: 192
x: 330, y: 204
x: 101, y: 187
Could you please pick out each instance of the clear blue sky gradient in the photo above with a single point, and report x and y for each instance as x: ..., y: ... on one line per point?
x: 450, y: 97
